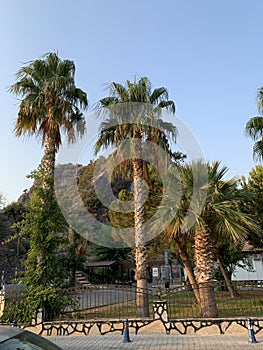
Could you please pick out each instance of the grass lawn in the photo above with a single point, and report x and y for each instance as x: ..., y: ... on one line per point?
x: 248, y: 303
x: 181, y: 304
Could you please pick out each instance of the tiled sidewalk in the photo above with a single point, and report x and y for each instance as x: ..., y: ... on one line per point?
x: 157, y: 342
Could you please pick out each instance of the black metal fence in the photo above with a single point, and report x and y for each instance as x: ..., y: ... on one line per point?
x: 246, y: 301
x: 102, y: 301
x: 119, y: 301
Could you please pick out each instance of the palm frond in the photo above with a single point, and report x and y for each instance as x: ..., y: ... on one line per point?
x: 107, y: 101
x: 254, y: 127
x: 158, y: 95
x: 120, y: 92
x: 259, y: 99
x: 50, y: 99
x: 169, y: 105
x: 258, y: 151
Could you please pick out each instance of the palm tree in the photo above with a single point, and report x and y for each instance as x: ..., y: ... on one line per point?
x: 211, y: 208
x: 51, y: 105
x: 137, y: 119
x: 2, y: 200
x: 254, y: 128
x: 182, y: 239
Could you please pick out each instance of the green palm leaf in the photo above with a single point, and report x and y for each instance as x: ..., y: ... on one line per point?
x: 51, y: 104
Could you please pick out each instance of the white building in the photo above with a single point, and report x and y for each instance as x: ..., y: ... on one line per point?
x: 253, y: 269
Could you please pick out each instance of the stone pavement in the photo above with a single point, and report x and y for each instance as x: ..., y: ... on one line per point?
x: 157, y: 342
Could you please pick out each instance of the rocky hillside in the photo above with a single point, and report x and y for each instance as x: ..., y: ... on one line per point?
x: 12, y: 253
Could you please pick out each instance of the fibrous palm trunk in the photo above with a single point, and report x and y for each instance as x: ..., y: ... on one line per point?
x: 233, y: 293
x: 188, y: 268
x: 48, y: 163
x: 71, y: 239
x: 205, y: 273
x: 142, y: 303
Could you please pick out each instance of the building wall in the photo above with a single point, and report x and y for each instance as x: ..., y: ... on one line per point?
x: 252, y: 271
x: 2, y: 304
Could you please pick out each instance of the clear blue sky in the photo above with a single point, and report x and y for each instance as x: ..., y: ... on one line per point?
x: 207, y: 53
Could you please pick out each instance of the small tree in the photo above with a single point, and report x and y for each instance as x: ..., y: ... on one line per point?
x: 45, y: 273
x: 252, y: 203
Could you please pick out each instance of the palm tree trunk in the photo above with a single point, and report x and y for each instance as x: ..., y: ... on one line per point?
x: 188, y: 268
x: 71, y: 239
x: 205, y: 273
x: 48, y: 163
x: 45, y: 177
x: 233, y: 293
x: 18, y: 246
x: 142, y: 301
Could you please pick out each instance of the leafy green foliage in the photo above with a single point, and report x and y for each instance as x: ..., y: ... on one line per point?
x: 2, y: 200
x: 45, y: 273
x: 120, y: 218
x: 231, y: 256
x: 50, y: 300
x: 254, y: 128
x: 72, y: 262
x: 19, y: 310
x: 50, y: 100
x: 44, y: 225
x: 251, y: 194
x: 115, y: 254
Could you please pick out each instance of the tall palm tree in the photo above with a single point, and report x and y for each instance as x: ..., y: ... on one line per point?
x: 51, y: 105
x: 137, y: 122
x: 213, y: 210
x: 254, y: 128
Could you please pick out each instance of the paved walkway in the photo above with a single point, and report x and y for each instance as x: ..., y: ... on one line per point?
x: 157, y: 342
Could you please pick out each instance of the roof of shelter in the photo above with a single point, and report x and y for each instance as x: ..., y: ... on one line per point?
x: 248, y: 248
x: 99, y: 263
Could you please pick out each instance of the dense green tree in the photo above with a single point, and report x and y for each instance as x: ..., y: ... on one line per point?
x: 14, y: 213
x: 45, y: 273
x: 1, y: 205
x: 136, y: 122
x: 251, y: 193
x: 13, y: 247
x: 74, y: 258
x: 228, y: 256
x: 106, y: 253
x: 120, y: 218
